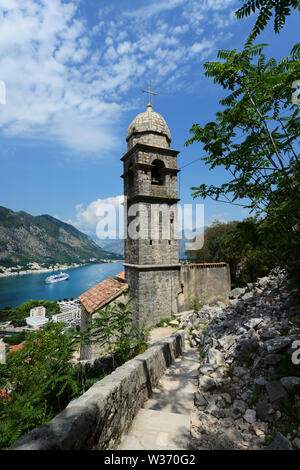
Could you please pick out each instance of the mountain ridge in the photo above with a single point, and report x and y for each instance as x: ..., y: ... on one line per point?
x: 25, y: 239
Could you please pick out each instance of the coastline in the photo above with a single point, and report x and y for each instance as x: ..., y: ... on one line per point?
x: 42, y: 270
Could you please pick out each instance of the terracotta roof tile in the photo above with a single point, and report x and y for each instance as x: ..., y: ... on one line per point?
x: 121, y: 276
x: 206, y: 265
x: 100, y: 294
x: 16, y: 347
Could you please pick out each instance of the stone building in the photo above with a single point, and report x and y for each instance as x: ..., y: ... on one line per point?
x: 151, y: 246
x: 160, y: 284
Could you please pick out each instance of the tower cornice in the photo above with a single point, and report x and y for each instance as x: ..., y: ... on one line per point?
x: 148, y: 166
x: 152, y: 199
x: 150, y: 148
x: 153, y: 267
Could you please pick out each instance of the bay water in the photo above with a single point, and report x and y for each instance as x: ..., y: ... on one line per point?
x: 16, y: 290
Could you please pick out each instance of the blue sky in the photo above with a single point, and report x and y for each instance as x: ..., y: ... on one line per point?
x: 74, y: 71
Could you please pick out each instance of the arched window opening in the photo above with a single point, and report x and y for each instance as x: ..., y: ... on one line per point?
x: 130, y: 178
x: 157, y: 176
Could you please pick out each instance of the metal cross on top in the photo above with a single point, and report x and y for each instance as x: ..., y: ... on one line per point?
x: 149, y: 92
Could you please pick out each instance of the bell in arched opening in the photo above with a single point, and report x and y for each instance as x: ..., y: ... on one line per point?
x: 157, y: 175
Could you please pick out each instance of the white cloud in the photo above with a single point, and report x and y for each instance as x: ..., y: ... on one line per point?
x: 154, y: 8
x: 181, y: 29
x: 69, y: 82
x: 47, y: 94
x: 87, y: 219
x: 202, y: 46
x: 216, y: 12
x: 104, y: 218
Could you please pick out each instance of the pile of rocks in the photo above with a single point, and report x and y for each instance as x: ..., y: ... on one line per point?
x: 249, y: 380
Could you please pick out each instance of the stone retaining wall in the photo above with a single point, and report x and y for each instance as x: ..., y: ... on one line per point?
x: 99, y: 418
x: 210, y: 282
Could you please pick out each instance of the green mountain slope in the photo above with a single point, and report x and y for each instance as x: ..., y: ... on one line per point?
x: 44, y: 239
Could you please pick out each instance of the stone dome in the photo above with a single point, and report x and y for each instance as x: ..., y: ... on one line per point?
x: 149, y: 121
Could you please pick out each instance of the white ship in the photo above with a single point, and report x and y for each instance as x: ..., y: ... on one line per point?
x: 57, y: 277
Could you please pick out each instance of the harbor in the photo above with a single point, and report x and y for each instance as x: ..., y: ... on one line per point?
x: 17, y: 290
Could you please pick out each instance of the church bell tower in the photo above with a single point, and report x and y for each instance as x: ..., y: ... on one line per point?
x: 151, y: 245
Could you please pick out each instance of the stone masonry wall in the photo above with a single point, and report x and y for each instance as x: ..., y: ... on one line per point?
x: 156, y: 222
x: 164, y: 283
x: 98, y: 419
x: 149, y: 138
x: 209, y: 283
x: 140, y: 183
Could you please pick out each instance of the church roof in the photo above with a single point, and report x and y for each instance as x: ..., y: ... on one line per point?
x: 121, y: 276
x: 99, y: 295
x: 149, y: 120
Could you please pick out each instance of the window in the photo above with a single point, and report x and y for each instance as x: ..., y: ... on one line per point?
x: 130, y: 177
x: 157, y: 176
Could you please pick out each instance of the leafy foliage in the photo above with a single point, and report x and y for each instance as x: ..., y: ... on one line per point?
x: 243, y: 245
x: 40, y: 379
x: 17, y: 315
x: 255, y: 138
x: 163, y: 322
x: 196, y: 303
x: 280, y: 9
x: 14, y: 339
x: 114, y: 329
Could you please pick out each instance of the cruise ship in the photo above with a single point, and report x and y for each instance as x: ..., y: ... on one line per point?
x: 57, y: 277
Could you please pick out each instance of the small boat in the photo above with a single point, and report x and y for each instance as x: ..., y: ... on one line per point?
x: 57, y: 277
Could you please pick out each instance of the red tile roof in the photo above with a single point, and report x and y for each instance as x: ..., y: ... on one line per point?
x: 121, y: 276
x: 3, y: 393
x: 206, y: 265
x: 102, y: 293
x: 16, y: 347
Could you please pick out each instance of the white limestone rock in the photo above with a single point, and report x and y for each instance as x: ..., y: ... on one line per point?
x: 250, y: 416
x: 215, y: 356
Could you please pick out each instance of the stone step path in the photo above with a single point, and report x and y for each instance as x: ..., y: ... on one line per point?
x: 164, y: 421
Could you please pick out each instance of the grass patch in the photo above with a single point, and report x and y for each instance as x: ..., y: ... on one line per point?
x: 255, y: 397
x: 203, y: 327
x: 228, y: 372
x: 288, y: 424
x: 202, y: 354
x: 162, y: 323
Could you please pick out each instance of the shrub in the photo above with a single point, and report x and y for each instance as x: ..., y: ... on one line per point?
x: 114, y: 329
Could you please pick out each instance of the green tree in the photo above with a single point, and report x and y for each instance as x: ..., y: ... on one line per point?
x: 255, y: 137
x: 18, y: 314
x: 243, y: 245
x: 213, y: 250
x: 39, y: 380
x: 113, y: 328
x: 14, y: 339
x: 280, y: 9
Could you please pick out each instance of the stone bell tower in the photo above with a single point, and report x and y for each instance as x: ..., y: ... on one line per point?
x: 151, y: 246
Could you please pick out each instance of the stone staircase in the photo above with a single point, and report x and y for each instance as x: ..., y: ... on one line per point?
x: 164, y: 421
